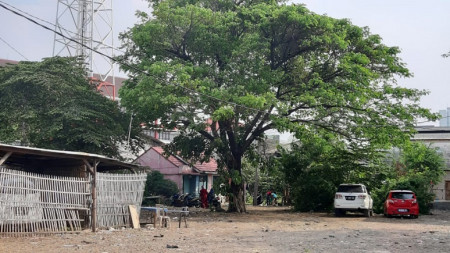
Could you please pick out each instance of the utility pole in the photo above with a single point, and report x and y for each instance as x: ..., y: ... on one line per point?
x: 255, y: 187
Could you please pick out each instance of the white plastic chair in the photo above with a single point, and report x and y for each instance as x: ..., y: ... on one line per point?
x: 161, y: 216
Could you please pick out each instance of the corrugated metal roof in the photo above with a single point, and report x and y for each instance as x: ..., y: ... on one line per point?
x: 23, y: 155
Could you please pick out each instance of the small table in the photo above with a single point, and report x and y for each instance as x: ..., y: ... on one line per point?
x: 157, y: 198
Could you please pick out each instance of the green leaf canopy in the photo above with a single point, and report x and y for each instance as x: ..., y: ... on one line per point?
x: 228, y: 71
x: 50, y: 104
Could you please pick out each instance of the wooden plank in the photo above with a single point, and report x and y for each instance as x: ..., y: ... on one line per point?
x: 5, y: 157
x: 134, y: 216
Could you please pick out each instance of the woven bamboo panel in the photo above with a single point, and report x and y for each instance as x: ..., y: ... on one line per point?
x: 115, y: 192
x: 35, y: 204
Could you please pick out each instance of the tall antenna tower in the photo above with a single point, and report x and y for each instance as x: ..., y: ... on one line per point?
x: 90, y: 24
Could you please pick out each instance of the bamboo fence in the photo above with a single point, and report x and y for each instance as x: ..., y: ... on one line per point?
x: 115, y: 192
x: 34, y: 204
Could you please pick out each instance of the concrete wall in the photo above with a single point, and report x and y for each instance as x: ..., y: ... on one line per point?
x: 157, y: 162
x: 439, y: 188
x: 210, y: 182
x: 438, y: 137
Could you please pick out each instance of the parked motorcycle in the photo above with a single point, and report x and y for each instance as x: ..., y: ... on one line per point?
x: 191, y: 201
x: 185, y: 200
x: 214, y: 205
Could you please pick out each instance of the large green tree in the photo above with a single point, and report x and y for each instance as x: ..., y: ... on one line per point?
x: 252, y: 66
x: 50, y: 104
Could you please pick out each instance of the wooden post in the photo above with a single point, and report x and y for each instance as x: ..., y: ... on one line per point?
x: 5, y: 157
x: 94, y: 199
x: 93, y: 171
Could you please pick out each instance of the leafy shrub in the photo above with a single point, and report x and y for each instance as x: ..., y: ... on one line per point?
x: 316, y: 167
x: 156, y: 184
x: 315, y: 193
x: 417, y: 167
x: 416, y: 183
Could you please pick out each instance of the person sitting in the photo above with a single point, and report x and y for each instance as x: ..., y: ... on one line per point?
x: 274, y: 199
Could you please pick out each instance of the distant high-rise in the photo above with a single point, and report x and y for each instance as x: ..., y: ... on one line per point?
x: 445, y: 120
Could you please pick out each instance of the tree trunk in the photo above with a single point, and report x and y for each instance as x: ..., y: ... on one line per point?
x: 237, y: 200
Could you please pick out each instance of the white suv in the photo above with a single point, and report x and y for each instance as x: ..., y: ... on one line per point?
x: 354, y: 198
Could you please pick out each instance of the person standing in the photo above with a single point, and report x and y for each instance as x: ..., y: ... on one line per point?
x: 211, y: 196
x: 204, y: 197
x: 268, y: 198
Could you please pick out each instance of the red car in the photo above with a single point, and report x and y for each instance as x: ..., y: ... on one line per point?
x: 401, y: 203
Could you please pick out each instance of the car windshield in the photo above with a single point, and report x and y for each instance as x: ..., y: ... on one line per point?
x: 402, y: 195
x: 350, y: 188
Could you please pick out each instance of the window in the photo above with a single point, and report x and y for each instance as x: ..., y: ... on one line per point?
x: 351, y: 188
x: 402, y: 195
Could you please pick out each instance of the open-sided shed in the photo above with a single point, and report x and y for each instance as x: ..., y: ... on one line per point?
x: 52, y: 191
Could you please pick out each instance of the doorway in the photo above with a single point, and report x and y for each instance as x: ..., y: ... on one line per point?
x: 447, y: 190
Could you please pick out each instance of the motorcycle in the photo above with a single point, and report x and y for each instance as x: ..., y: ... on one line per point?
x: 191, y: 201
x: 215, y: 205
x: 185, y: 200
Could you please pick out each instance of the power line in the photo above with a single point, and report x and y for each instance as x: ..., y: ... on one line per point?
x: 126, y: 64
x: 13, y: 48
x: 50, y: 23
x: 2, y: 4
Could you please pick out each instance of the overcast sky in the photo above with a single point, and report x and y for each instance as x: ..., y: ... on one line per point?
x: 421, y: 29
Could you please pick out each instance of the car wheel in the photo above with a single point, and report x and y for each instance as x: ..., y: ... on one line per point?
x: 371, y: 212
x: 338, y: 212
x: 367, y: 213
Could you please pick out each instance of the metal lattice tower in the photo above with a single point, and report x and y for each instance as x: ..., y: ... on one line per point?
x: 90, y: 23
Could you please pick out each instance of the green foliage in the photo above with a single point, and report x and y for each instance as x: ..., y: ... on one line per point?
x: 157, y: 185
x: 417, y: 168
x: 253, y: 66
x: 315, y: 194
x: 314, y: 169
x: 270, y: 177
x: 50, y: 104
x: 221, y: 186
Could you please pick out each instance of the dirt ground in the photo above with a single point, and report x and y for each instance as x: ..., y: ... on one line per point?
x: 262, y: 229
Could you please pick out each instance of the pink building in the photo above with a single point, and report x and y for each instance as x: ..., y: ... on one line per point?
x: 189, y: 179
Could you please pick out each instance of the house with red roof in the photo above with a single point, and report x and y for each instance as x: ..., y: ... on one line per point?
x: 189, y: 178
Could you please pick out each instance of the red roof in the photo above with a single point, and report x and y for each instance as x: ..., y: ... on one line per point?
x: 3, y: 62
x: 210, y: 166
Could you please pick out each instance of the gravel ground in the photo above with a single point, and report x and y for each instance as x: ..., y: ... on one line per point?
x: 262, y: 229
